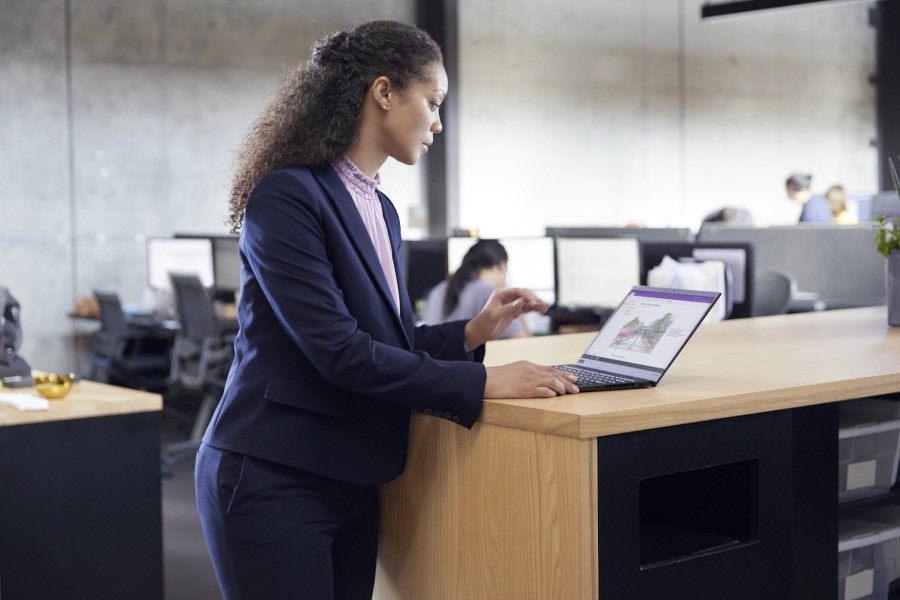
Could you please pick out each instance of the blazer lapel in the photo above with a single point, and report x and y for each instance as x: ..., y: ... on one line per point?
x: 406, y: 310
x: 359, y: 237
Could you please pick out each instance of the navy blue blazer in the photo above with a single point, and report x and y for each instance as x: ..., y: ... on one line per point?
x: 326, y: 370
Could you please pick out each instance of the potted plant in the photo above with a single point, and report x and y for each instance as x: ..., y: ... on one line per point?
x: 887, y: 241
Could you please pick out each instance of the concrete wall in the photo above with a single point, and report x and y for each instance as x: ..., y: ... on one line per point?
x: 635, y: 111
x: 118, y: 120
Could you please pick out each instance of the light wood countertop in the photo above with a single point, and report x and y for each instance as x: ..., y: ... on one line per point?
x: 727, y: 369
x: 86, y: 399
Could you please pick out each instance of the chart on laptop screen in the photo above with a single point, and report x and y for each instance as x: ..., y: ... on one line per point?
x: 649, y: 328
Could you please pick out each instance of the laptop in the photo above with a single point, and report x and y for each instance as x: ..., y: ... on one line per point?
x: 640, y: 340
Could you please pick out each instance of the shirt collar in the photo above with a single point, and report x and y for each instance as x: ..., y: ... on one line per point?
x: 352, y: 176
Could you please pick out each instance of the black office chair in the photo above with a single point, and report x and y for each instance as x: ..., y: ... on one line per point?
x: 202, y: 355
x: 126, y: 356
x: 772, y: 293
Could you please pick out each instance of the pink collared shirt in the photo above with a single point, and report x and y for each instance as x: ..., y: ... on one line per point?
x: 362, y: 189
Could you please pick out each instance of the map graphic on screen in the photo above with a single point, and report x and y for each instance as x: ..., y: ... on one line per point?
x: 639, y: 337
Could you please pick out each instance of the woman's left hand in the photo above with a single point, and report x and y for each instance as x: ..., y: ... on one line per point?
x: 502, y: 308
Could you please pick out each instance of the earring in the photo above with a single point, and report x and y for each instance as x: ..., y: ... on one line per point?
x: 384, y: 106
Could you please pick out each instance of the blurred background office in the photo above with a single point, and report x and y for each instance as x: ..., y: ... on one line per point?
x: 120, y: 119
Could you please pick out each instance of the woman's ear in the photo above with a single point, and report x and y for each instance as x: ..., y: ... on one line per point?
x: 381, y: 92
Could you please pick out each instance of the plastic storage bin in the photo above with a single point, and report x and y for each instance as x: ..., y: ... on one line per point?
x: 869, y: 448
x: 867, y: 558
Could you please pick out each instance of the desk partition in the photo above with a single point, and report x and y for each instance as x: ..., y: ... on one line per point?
x: 835, y: 265
x: 645, y: 234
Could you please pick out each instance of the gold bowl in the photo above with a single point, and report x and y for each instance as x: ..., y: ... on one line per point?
x: 53, y: 385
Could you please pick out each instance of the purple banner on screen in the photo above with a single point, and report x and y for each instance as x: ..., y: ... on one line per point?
x: 670, y: 296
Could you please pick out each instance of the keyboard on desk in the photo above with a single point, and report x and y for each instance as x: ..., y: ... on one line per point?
x: 589, y: 379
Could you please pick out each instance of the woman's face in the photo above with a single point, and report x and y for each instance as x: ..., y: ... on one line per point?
x: 413, y: 117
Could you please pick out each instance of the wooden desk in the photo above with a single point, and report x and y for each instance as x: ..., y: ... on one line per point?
x: 80, y: 510
x: 525, y: 505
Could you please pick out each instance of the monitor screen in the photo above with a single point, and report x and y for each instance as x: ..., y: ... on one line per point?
x: 226, y: 263
x: 529, y: 264
x: 425, y: 262
x: 178, y: 255
x: 596, y: 272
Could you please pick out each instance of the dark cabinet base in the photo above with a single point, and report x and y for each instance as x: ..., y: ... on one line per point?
x: 732, y: 509
x: 80, y: 509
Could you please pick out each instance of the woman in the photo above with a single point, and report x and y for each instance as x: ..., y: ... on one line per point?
x: 464, y: 294
x: 327, y: 364
x: 836, y: 196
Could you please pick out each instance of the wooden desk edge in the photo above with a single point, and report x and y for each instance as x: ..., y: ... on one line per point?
x: 88, y: 399
x: 543, y: 419
x: 732, y: 369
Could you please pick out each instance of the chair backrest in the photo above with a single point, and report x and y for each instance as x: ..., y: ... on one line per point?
x: 112, y: 317
x: 202, y: 351
x: 195, y: 310
x: 772, y: 293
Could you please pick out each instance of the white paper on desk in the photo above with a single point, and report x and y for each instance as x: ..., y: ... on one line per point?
x: 24, y: 401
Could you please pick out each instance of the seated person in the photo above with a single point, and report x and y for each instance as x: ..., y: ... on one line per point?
x: 837, y: 200
x: 730, y: 214
x: 464, y: 294
x: 815, y: 208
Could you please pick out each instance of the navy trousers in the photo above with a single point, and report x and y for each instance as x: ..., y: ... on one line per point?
x: 277, y: 532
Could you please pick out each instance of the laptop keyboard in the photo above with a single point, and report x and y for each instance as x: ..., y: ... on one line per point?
x: 592, y: 377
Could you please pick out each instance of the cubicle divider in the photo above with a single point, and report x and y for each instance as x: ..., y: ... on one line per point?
x: 644, y: 234
x: 834, y: 266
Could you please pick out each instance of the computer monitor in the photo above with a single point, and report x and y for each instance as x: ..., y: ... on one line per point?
x: 425, y: 265
x: 530, y: 262
x: 226, y: 263
x: 174, y: 255
x: 596, y: 272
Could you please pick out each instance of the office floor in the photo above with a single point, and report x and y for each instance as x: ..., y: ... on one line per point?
x: 188, y: 569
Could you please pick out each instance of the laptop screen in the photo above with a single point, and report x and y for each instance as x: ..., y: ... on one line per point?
x: 648, y: 330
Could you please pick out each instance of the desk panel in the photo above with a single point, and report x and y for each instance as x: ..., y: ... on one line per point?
x: 81, y: 510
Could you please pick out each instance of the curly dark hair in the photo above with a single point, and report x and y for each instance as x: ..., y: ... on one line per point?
x: 315, y: 114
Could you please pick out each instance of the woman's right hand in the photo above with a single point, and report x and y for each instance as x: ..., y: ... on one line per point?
x: 523, y: 379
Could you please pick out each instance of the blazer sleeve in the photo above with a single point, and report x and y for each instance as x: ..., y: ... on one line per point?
x: 290, y: 239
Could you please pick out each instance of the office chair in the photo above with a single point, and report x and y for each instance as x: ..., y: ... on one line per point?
x: 202, y: 355
x: 772, y: 293
x: 122, y: 355
x: 134, y: 357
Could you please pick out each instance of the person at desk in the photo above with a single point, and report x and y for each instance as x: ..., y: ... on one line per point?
x: 815, y: 208
x: 328, y: 363
x: 836, y: 196
x: 464, y: 294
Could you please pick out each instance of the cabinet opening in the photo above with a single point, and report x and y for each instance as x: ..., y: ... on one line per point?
x: 694, y: 513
